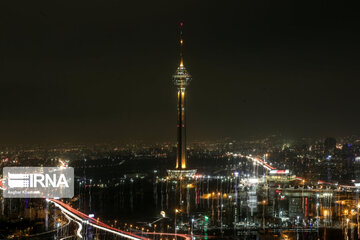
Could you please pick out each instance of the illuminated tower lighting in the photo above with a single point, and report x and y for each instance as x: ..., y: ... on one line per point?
x: 181, y: 79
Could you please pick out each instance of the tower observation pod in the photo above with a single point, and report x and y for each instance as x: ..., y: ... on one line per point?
x: 181, y: 79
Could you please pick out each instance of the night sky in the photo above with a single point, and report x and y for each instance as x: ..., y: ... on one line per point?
x: 97, y: 71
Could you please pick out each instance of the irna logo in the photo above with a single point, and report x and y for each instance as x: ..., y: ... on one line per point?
x: 38, y: 182
x: 16, y: 180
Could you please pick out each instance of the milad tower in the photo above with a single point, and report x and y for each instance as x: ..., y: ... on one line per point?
x: 181, y: 80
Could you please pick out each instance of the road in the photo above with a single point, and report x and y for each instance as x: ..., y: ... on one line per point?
x: 81, y: 219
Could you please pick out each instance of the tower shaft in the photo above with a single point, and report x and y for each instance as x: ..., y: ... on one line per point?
x: 181, y: 130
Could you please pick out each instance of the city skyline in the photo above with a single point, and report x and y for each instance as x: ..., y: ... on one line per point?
x: 187, y: 120
x: 86, y: 74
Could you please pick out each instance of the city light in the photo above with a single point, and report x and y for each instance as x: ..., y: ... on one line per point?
x: 263, y: 144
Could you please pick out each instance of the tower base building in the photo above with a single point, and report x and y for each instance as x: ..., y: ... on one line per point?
x: 181, y: 174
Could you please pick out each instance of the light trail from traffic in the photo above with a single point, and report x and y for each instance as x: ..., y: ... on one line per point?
x: 254, y: 159
x: 80, y: 218
x: 268, y: 167
x: 186, y: 237
x: 83, y: 218
x: 2, y: 187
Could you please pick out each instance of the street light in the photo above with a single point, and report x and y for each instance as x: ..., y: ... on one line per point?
x: 263, y: 213
x: 192, y: 225
x: 163, y: 214
x: 326, y: 213
x: 176, y: 211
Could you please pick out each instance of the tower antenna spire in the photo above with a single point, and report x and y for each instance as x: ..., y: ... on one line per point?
x: 181, y: 44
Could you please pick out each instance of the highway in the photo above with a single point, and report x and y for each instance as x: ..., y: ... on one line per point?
x: 81, y: 219
x: 268, y: 167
